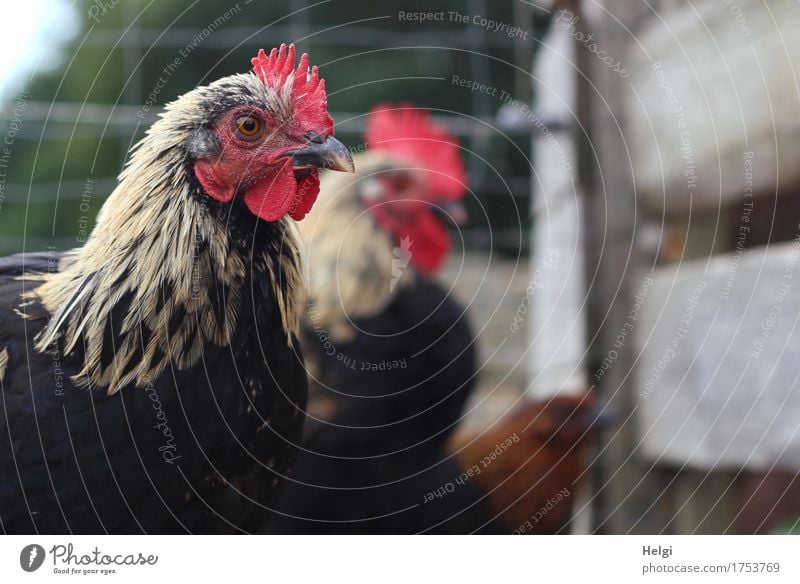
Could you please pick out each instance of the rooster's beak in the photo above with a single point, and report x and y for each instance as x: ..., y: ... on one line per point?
x: 328, y: 153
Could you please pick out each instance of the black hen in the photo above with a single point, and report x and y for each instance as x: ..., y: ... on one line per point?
x: 390, y: 351
x: 150, y: 380
x: 396, y: 399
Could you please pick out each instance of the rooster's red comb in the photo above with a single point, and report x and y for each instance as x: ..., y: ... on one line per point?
x: 409, y: 133
x: 308, y: 90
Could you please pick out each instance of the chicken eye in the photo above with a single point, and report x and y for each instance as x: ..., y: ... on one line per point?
x: 248, y: 126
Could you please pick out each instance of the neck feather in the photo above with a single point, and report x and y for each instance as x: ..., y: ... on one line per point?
x: 162, y: 275
x: 354, y: 274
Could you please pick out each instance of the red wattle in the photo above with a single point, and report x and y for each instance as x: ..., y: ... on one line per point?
x: 271, y: 197
x: 431, y: 243
x: 430, y: 240
x: 307, y: 192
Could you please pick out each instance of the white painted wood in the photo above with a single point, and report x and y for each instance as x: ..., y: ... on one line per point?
x: 716, y: 79
x: 719, y: 375
x: 557, y: 327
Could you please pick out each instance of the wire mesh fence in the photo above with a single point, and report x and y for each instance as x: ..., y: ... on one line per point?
x: 74, y: 127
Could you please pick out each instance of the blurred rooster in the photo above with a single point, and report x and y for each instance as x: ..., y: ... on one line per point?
x: 529, y: 464
x: 163, y: 391
x: 390, y: 352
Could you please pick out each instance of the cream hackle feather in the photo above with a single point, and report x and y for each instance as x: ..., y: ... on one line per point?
x: 153, y: 235
x: 347, y: 256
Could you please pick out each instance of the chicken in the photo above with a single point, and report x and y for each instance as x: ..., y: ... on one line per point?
x: 390, y: 352
x: 527, y: 465
x: 384, y: 229
x: 151, y: 380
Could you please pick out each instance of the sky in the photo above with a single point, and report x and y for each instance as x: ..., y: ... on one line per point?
x: 31, y: 30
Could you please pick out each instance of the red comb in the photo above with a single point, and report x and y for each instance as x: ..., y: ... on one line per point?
x: 409, y: 133
x: 308, y: 90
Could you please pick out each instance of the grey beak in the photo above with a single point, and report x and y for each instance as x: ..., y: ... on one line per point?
x: 330, y: 154
x: 600, y: 416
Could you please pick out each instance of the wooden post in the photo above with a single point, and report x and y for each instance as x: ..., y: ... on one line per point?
x: 625, y: 490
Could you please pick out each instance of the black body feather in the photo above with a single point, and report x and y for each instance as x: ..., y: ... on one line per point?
x: 150, y: 381
x: 370, y: 467
x: 198, y: 450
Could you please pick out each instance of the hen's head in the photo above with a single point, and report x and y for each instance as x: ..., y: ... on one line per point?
x: 416, y: 195
x: 263, y: 136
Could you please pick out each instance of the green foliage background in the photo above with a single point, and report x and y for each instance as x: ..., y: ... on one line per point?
x: 366, y: 53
